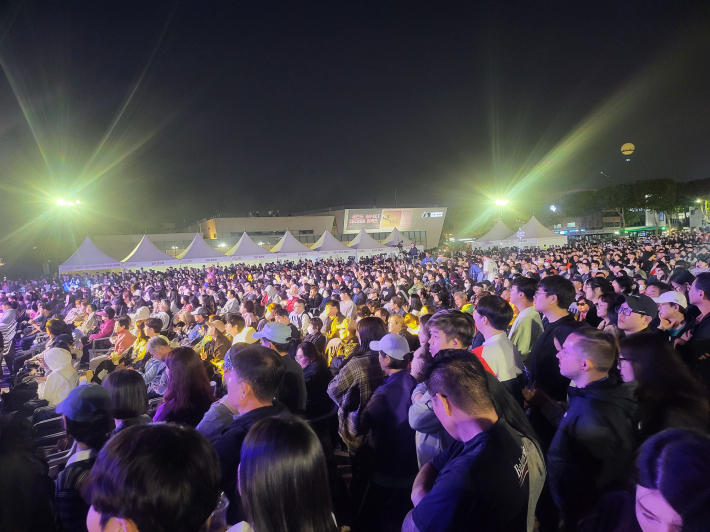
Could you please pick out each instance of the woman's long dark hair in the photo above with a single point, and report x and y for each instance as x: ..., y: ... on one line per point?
x: 209, y: 304
x: 188, y: 385
x: 369, y: 330
x: 658, y: 369
x: 677, y: 463
x: 283, y: 478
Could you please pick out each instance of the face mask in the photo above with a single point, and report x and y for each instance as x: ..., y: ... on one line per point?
x: 310, y: 330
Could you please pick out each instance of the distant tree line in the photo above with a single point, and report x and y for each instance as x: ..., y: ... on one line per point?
x: 660, y: 195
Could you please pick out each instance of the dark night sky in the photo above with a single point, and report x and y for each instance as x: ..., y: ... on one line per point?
x: 299, y: 105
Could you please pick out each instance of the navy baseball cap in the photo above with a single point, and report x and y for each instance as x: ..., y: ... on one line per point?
x: 88, y: 402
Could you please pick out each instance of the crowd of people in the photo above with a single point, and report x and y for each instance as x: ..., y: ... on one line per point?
x: 501, y: 389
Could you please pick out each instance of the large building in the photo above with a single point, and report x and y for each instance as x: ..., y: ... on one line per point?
x: 422, y: 225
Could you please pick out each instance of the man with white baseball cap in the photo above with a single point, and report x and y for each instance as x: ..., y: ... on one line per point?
x: 385, y: 421
x: 672, y: 310
x: 292, y: 391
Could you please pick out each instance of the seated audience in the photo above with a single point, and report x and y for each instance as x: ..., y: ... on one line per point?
x: 188, y: 394
x: 129, y: 399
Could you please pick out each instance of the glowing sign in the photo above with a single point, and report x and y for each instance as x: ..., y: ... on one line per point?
x: 364, y: 219
x: 437, y: 214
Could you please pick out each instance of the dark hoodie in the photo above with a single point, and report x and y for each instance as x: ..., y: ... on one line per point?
x: 593, y: 448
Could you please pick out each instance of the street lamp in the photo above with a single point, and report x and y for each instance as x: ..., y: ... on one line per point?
x: 63, y: 203
x: 553, y: 208
x: 501, y: 202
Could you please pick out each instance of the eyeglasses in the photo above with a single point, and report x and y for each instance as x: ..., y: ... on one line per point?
x: 628, y: 311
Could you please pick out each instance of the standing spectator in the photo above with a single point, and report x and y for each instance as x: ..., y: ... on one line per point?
x: 636, y: 314
x: 253, y: 382
x: 87, y: 418
x: 188, y: 394
x: 672, y: 470
x: 527, y: 327
x: 667, y: 395
x: 176, y: 466
x: 482, y: 479
x: 292, y: 390
x: 492, y: 316
x: 694, y: 346
x: 385, y: 421
x: 353, y: 387
x: 283, y: 479
x: 593, y: 448
x: 317, y: 377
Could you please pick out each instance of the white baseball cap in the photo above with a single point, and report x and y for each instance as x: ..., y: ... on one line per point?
x: 392, y: 345
x: 672, y: 297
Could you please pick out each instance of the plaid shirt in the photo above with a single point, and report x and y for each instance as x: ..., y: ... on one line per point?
x: 351, y: 389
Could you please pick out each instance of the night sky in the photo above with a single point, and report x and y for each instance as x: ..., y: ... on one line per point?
x: 235, y: 106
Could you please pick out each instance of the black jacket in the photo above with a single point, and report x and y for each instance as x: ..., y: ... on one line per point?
x: 544, y: 366
x: 318, y: 402
x: 592, y: 451
x: 697, y: 346
x: 229, y: 448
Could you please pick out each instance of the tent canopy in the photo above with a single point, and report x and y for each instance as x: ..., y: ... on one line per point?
x: 499, y: 231
x: 89, y: 257
x: 247, y: 249
x: 146, y: 255
x: 395, y: 237
x: 328, y: 244
x: 289, y: 245
x: 534, y: 229
x: 199, y: 252
x: 364, y: 242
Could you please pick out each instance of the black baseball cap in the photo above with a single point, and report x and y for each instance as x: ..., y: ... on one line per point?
x: 642, y: 303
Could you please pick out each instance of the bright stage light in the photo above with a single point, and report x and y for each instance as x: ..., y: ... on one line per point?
x: 501, y: 202
x: 61, y: 202
x: 553, y: 208
x: 70, y: 204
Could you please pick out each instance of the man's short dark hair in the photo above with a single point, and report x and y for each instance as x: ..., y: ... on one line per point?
x: 454, y: 324
x: 459, y: 376
x: 525, y: 285
x: 124, y: 321
x: 332, y: 303
x: 300, y: 302
x: 56, y: 326
x: 92, y: 433
x: 662, y: 287
x: 281, y: 312
x: 92, y: 307
x: 154, y: 323
x: 235, y: 320
x: 110, y: 313
x: 497, y: 310
x: 702, y: 282
x: 171, y: 463
x: 555, y: 285
x: 261, y: 368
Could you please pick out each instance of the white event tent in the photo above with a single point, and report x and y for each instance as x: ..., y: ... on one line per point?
x: 291, y: 249
x: 200, y: 252
x: 329, y: 246
x: 147, y: 255
x: 395, y: 237
x: 248, y: 251
x: 535, y: 235
x: 499, y: 232
x: 366, y: 245
x: 89, y: 257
